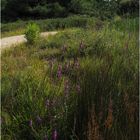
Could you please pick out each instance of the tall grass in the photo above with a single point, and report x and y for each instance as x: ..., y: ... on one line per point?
x: 78, y: 85
x: 15, y: 28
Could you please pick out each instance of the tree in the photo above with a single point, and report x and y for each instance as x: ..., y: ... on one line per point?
x: 13, y: 9
x: 128, y: 7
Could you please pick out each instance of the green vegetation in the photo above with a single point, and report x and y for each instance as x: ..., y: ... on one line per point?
x: 34, y: 9
x: 19, y: 27
x: 80, y: 84
x: 32, y: 33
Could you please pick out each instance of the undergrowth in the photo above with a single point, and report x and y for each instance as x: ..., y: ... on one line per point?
x: 78, y: 85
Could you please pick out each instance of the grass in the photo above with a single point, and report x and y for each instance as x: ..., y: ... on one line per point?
x: 16, y: 28
x: 19, y: 27
x: 80, y: 83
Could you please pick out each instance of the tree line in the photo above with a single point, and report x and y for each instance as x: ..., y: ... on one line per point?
x: 36, y: 9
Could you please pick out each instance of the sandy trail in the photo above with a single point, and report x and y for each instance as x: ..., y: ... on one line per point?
x: 14, y: 40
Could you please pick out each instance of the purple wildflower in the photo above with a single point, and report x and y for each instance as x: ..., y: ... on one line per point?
x: 55, y: 135
x: 30, y: 123
x: 39, y: 120
x: 59, y: 72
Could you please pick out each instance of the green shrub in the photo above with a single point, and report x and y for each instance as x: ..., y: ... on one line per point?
x: 32, y: 33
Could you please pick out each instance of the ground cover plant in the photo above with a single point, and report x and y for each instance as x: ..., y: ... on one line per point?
x: 80, y: 84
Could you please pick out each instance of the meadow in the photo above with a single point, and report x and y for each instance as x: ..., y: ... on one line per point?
x: 18, y: 27
x: 80, y: 84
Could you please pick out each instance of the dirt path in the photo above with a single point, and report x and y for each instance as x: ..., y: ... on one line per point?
x: 13, y: 40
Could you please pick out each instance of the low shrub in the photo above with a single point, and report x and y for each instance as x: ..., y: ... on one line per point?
x: 32, y: 33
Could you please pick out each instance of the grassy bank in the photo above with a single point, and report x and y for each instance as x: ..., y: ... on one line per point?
x: 79, y: 84
x: 16, y: 28
x: 19, y: 27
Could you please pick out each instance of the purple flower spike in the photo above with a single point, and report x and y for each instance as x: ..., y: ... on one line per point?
x: 55, y: 134
x: 39, y: 120
x: 59, y: 72
x: 30, y: 123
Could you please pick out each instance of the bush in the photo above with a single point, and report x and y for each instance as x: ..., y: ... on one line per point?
x: 32, y: 33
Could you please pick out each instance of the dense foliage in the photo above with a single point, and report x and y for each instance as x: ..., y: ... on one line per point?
x: 15, y: 9
x: 80, y: 84
x: 32, y: 33
x: 18, y: 27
